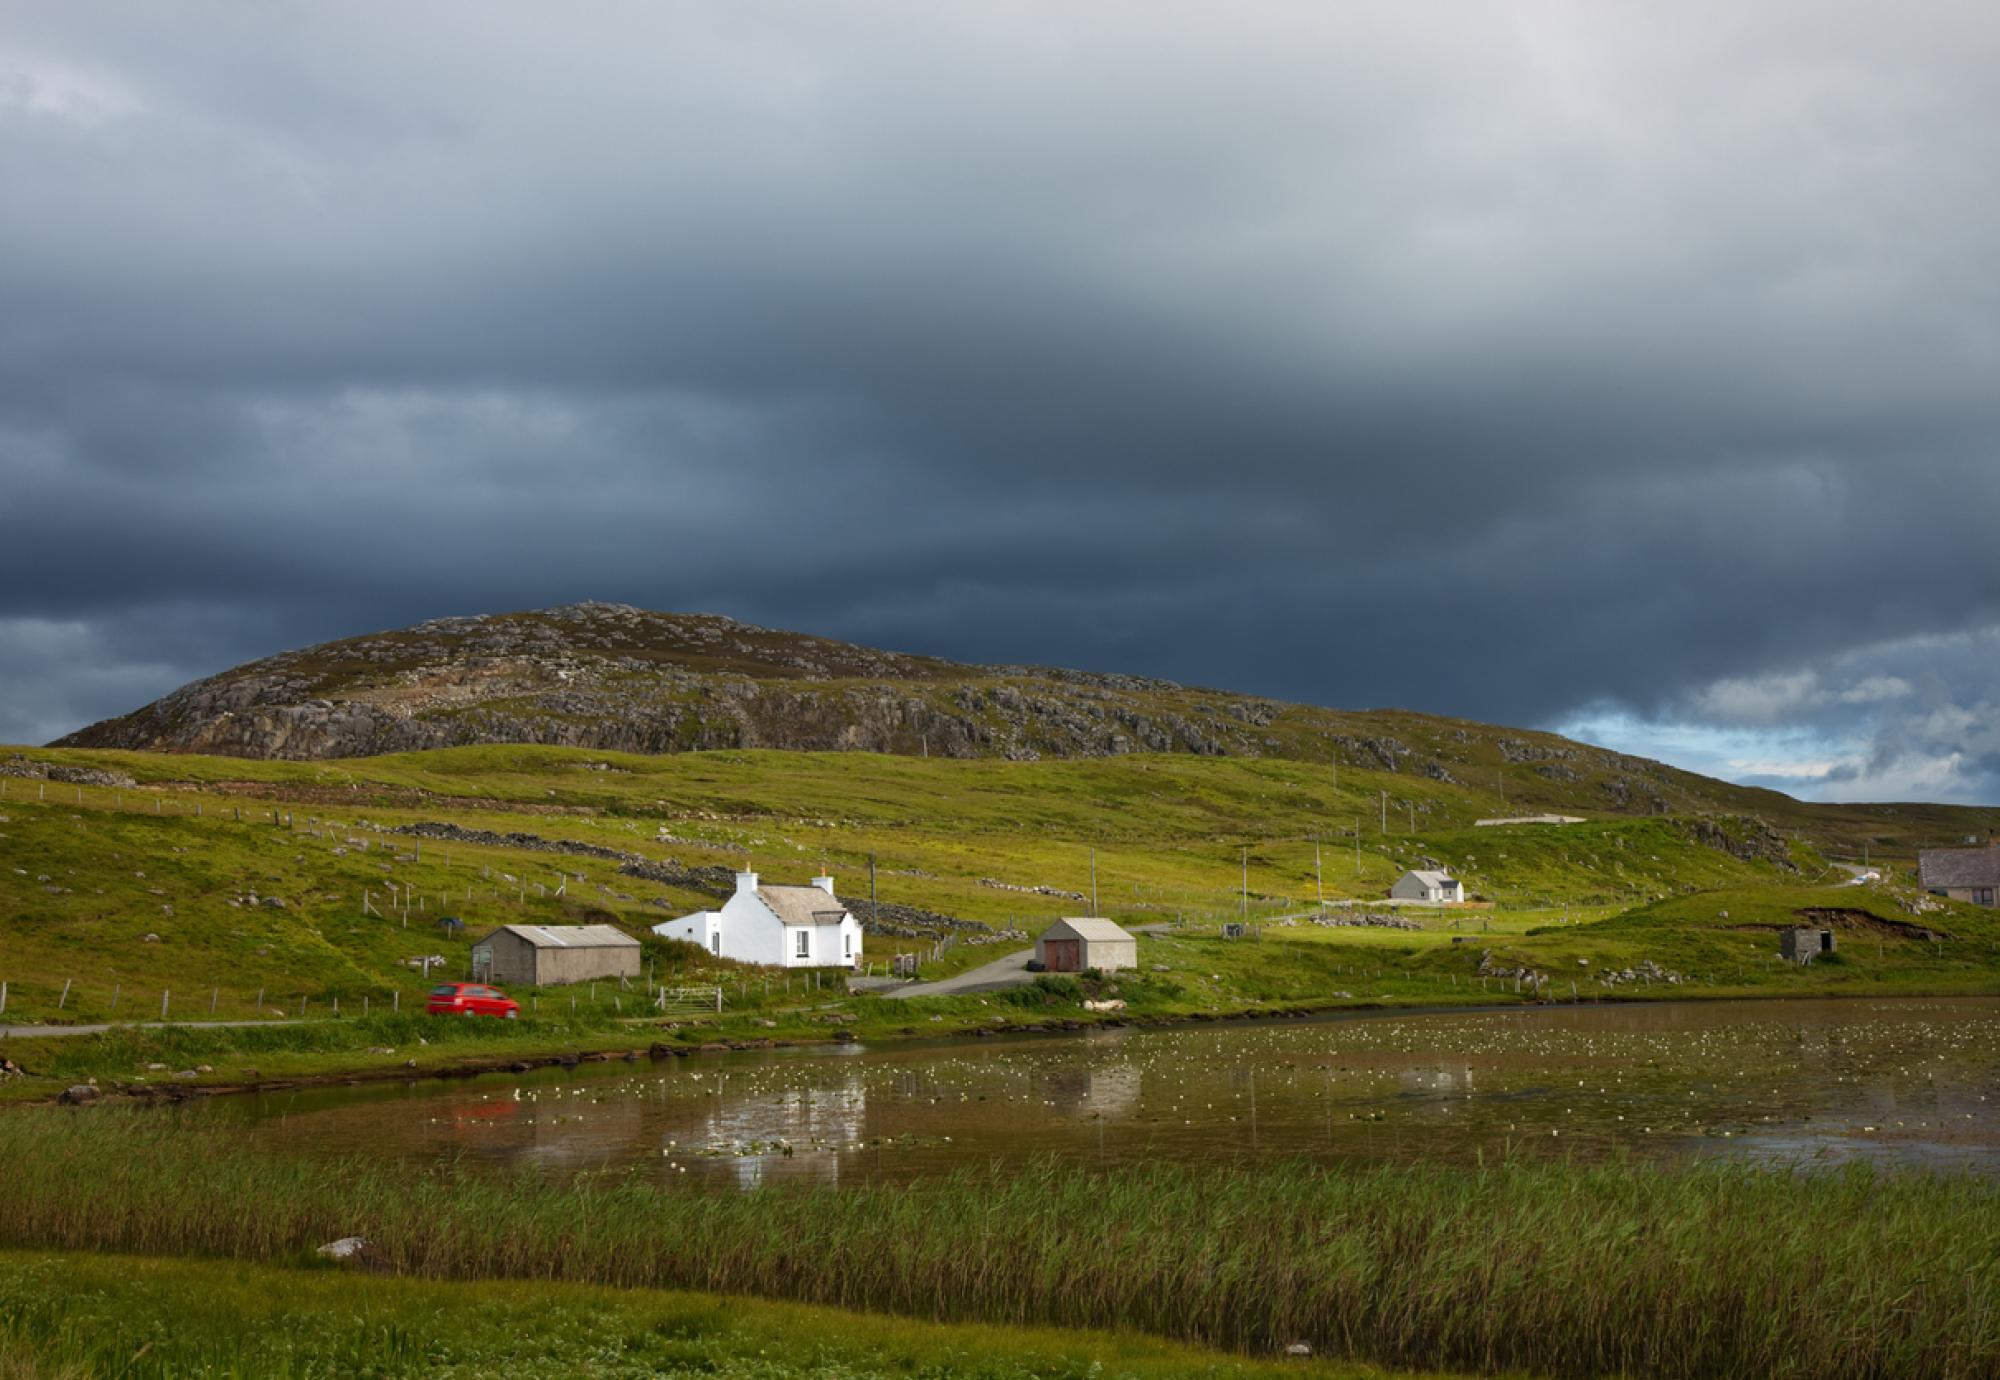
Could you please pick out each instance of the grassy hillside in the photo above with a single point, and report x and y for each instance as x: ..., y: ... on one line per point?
x: 608, y: 678
x: 225, y: 889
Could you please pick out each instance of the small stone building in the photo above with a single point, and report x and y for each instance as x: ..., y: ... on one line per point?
x: 1804, y: 943
x: 1078, y: 943
x: 551, y: 955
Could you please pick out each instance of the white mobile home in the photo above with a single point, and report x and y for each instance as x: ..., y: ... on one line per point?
x: 1428, y: 886
x: 782, y: 926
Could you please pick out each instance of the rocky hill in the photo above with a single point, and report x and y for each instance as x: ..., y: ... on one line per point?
x: 616, y: 678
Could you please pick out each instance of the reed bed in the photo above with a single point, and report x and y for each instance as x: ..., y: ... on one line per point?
x: 1553, y: 1268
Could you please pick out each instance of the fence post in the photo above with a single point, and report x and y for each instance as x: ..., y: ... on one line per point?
x: 396, y: 1000
x: 3, y: 998
x: 213, y: 994
x: 65, y: 995
x: 114, y: 996
x: 163, y: 1004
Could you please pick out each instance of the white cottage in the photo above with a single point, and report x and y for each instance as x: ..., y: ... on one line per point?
x: 1428, y: 886
x: 782, y: 926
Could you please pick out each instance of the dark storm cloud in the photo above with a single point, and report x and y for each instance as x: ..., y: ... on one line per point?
x: 1531, y: 362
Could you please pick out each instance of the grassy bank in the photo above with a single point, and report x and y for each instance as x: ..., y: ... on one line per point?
x: 1549, y: 1268
x: 69, y: 1316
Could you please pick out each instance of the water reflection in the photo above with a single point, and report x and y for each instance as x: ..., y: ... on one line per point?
x: 1890, y: 1081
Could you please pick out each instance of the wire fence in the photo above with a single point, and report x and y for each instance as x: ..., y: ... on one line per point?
x: 70, y: 1002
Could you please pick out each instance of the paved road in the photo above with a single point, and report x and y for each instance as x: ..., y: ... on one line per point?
x: 46, y: 1032
x: 1011, y: 971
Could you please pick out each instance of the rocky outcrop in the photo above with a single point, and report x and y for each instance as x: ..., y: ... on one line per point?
x: 608, y: 677
x: 1750, y: 840
x: 617, y: 678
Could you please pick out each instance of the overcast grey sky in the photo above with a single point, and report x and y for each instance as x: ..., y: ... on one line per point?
x: 1627, y: 368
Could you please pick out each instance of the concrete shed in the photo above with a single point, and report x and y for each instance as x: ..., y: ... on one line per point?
x: 1074, y: 944
x: 550, y: 955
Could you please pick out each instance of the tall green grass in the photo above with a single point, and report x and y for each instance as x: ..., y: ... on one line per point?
x: 72, y: 1315
x: 1546, y: 1267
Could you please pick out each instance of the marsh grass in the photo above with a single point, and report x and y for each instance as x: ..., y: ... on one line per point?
x: 1546, y: 1267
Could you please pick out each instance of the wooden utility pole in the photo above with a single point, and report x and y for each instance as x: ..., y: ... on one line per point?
x: 1246, y: 884
x: 1319, y: 887
x: 1093, y: 882
x: 874, y: 911
x: 1385, y: 814
x: 1357, y: 848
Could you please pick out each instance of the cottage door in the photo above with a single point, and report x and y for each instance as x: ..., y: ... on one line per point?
x: 1064, y: 955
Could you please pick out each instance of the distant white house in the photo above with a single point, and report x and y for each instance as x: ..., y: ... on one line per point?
x: 782, y: 926
x: 1428, y: 886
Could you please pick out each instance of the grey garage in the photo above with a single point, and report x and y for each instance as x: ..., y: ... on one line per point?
x: 1072, y: 945
x: 550, y: 955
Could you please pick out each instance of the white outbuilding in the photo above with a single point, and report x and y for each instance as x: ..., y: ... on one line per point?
x: 781, y: 926
x: 1428, y: 886
x: 1076, y: 944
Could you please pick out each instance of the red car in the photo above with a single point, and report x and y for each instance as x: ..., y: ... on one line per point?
x: 471, y: 999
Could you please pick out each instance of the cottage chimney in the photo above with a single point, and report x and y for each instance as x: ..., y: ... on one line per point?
x: 824, y: 883
x: 746, y: 881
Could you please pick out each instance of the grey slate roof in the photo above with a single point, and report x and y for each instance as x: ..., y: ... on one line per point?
x: 1432, y: 878
x: 802, y: 905
x: 1953, y: 868
x: 571, y: 936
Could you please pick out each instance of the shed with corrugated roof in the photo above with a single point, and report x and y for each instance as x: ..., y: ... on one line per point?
x: 551, y: 955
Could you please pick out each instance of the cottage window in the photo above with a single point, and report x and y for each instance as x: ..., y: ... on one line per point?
x: 1982, y: 896
x: 847, y: 946
x: 804, y: 946
x: 715, y: 942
